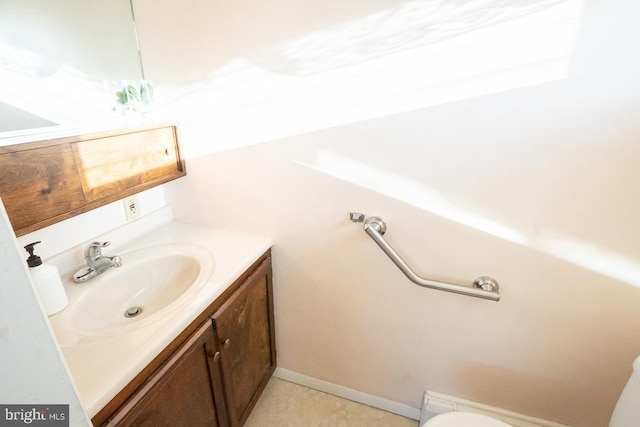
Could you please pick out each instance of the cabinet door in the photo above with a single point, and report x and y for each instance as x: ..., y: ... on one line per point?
x: 245, y: 330
x: 36, y: 185
x: 186, y: 390
x: 111, y: 165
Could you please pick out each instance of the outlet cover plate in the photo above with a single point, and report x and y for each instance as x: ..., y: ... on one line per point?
x: 132, y: 207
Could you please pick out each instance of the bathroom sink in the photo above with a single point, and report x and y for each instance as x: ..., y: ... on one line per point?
x: 151, y: 282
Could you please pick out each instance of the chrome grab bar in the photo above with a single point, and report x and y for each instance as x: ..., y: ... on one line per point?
x: 484, y: 287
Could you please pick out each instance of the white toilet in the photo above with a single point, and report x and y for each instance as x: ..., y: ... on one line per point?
x: 626, y: 413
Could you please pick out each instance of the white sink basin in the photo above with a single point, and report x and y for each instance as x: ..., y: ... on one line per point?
x: 151, y: 282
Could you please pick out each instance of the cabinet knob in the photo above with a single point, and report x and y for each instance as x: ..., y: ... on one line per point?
x: 226, y: 343
x: 216, y: 356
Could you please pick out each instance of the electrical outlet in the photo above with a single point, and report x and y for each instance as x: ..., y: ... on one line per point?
x: 132, y: 207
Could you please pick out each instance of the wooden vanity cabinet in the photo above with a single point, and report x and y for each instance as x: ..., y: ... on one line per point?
x: 215, y: 371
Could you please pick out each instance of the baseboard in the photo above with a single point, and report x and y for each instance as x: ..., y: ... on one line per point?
x: 347, y: 393
x: 437, y: 403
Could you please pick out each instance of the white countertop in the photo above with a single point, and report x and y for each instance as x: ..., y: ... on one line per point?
x: 102, y: 368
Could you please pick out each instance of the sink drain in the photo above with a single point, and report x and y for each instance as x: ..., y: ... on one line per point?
x: 133, y: 311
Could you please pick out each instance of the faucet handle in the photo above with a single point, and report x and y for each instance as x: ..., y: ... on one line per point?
x: 95, y: 249
x: 99, y: 244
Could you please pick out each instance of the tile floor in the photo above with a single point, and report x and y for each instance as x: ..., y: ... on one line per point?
x: 284, y: 404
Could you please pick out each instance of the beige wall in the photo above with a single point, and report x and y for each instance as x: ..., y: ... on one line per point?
x: 519, y: 163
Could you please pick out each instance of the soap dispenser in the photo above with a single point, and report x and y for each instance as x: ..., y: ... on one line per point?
x: 47, y: 283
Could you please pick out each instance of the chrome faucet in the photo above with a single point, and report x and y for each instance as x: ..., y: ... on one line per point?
x: 96, y: 262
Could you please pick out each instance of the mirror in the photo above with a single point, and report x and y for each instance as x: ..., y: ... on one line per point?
x: 62, y: 61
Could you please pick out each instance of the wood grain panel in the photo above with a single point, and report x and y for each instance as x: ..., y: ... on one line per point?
x: 39, y: 184
x: 45, y: 182
x: 113, y: 164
